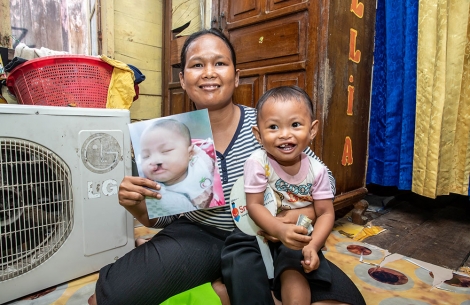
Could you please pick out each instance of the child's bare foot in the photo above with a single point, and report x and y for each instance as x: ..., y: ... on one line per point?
x: 221, y: 291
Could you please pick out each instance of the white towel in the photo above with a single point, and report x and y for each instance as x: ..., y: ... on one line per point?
x: 23, y: 51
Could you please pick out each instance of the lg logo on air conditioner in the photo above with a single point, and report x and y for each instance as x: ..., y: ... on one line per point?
x: 107, y: 188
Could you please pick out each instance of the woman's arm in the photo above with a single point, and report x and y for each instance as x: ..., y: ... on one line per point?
x: 291, y: 216
x: 290, y: 235
x: 132, y: 193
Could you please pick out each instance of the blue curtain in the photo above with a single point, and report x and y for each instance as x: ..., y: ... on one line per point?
x: 393, y: 103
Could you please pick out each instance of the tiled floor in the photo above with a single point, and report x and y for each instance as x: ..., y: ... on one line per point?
x: 436, y: 231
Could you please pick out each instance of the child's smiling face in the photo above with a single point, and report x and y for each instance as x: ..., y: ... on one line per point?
x: 165, y: 155
x: 285, y: 129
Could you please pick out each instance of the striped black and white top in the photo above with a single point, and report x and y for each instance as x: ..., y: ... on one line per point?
x: 231, y: 168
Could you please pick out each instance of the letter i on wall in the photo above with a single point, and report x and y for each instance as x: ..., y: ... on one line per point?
x: 349, y: 111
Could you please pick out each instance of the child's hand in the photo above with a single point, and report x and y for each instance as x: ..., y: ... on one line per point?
x: 267, y: 237
x: 294, y: 237
x: 291, y: 216
x: 311, y: 261
x: 285, y: 217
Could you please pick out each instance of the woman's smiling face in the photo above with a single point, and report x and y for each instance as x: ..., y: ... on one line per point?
x: 209, y: 74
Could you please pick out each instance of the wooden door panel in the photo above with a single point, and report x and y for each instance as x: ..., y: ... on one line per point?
x: 347, y: 121
x: 260, y: 11
x: 279, y: 41
x: 243, y: 9
x: 249, y: 88
x: 247, y: 92
x: 278, y: 4
x: 179, y: 102
x: 286, y: 79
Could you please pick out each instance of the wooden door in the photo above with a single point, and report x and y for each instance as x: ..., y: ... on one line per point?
x: 344, y: 87
x: 275, y: 43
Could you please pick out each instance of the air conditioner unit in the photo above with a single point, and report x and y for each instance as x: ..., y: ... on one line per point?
x: 60, y: 170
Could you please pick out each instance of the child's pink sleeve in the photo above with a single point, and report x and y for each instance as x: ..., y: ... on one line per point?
x: 322, y: 187
x: 255, y: 177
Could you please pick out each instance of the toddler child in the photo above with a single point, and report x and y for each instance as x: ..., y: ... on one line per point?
x: 285, y: 128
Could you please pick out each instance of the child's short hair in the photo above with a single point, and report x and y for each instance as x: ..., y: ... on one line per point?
x: 284, y: 93
x: 171, y: 124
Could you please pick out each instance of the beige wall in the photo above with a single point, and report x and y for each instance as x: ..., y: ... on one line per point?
x: 5, y: 26
x: 132, y: 33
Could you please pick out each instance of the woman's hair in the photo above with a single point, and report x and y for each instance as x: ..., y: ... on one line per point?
x: 196, y: 35
x: 171, y: 124
x: 285, y: 93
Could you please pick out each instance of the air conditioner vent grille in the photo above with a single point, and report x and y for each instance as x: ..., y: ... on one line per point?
x: 36, y: 207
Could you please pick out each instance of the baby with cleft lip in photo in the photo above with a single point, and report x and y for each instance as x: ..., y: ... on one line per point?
x: 169, y: 157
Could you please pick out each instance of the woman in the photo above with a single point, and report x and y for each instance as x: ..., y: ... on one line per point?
x: 187, y: 252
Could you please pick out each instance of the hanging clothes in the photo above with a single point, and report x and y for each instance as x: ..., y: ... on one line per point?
x: 121, y: 90
x: 442, y: 146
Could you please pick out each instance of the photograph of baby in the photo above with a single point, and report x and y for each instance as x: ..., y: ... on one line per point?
x: 178, y: 152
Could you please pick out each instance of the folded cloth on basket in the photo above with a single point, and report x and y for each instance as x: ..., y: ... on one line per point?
x: 138, y: 76
x: 23, y: 51
x: 121, y: 90
x: 14, y: 63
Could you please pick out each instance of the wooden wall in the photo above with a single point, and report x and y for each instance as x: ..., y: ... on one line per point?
x: 59, y: 25
x: 132, y: 33
x: 5, y: 26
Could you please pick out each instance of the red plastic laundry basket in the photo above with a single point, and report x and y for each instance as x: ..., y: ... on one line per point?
x: 63, y: 80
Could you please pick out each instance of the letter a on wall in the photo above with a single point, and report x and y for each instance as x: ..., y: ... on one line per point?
x: 347, y: 152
